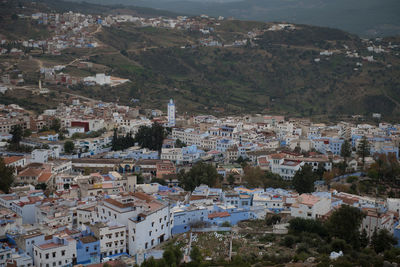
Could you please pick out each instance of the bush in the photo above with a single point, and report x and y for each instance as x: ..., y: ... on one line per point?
x: 302, y: 247
x: 352, y: 179
x: 298, y: 225
x: 226, y: 224
x: 288, y: 241
x: 300, y: 257
x: 270, y: 220
x: 267, y: 238
x: 338, y: 245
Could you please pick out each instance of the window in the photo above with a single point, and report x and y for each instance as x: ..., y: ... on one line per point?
x: 62, y: 252
x: 146, y: 245
x: 87, y: 249
x: 149, y: 233
x: 47, y: 255
x: 59, y: 263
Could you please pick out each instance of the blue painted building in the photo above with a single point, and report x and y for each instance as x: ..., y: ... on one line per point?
x: 88, y: 250
x: 396, y: 234
x: 186, y: 216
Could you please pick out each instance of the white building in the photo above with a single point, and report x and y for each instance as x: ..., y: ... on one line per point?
x: 393, y: 204
x: 40, y: 156
x: 310, y: 206
x: 377, y: 220
x: 171, y: 113
x: 150, y: 228
x: 60, y: 251
x: 112, y: 236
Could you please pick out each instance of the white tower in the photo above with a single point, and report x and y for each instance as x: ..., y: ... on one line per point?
x: 171, y: 113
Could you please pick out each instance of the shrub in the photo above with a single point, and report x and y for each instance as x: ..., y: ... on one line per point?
x: 302, y: 247
x: 288, y: 241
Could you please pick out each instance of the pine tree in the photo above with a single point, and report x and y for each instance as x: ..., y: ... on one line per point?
x: 364, y: 240
x: 6, y: 176
x: 303, y: 180
x: 363, y: 149
x: 345, y: 150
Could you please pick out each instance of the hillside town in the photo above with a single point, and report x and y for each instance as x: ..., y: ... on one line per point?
x: 109, y: 156
x: 76, y: 199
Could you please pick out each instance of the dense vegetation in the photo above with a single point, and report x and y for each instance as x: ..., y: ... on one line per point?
x: 6, y: 176
x: 150, y: 137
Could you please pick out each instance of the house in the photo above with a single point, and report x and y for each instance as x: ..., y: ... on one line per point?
x: 9, y: 220
x: 15, y: 161
x: 308, y: 206
x: 376, y: 220
x: 187, y: 216
x: 26, y: 240
x: 87, y: 250
x: 111, y: 236
x: 5, y: 254
x: 151, y: 227
x: 393, y: 204
x: 165, y: 168
x: 60, y: 251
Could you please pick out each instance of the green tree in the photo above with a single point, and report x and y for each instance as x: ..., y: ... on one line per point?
x: 345, y: 150
x: 69, y: 147
x: 179, y: 143
x: 303, y: 180
x: 6, y: 176
x: 151, y: 137
x: 122, y: 142
x: 300, y: 225
x: 27, y: 133
x: 200, y: 173
x: 363, y: 149
x: 364, y: 240
x: 253, y: 176
x: 382, y: 240
x: 41, y: 186
x: 231, y: 179
x: 172, y: 256
x: 55, y: 125
x: 17, y: 133
x: 195, y: 255
x: 344, y: 223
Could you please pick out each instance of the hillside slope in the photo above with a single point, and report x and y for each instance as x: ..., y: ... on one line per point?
x: 279, y: 72
x: 366, y: 18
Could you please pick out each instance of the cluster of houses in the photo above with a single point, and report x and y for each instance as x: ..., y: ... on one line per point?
x: 94, y: 218
x: 88, y: 206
